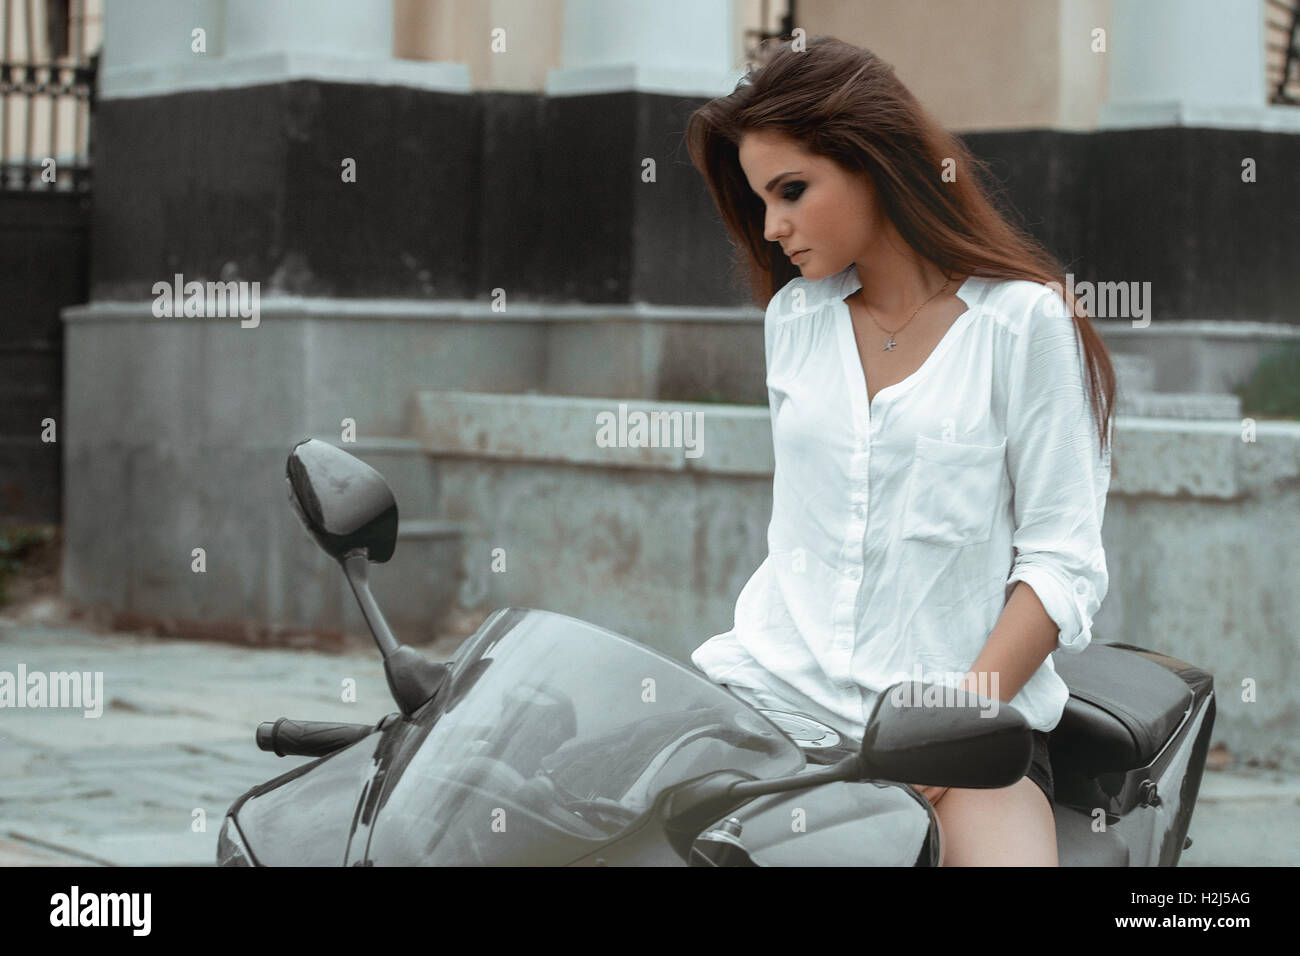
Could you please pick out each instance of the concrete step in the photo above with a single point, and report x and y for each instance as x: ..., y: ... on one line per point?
x: 1178, y: 405
x: 1205, y: 357
x: 1136, y: 373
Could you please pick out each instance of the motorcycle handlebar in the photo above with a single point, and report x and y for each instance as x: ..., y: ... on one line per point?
x: 308, y: 738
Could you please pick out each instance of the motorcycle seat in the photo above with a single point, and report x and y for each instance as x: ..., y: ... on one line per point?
x: 1123, y: 708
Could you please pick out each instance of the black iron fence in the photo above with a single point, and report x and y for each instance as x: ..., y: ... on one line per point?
x: 47, y: 94
x: 774, y: 22
x: 1282, y: 22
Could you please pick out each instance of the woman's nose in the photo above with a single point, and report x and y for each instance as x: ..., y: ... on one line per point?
x: 773, y: 227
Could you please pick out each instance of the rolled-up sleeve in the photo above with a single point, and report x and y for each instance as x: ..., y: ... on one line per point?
x: 1058, y: 475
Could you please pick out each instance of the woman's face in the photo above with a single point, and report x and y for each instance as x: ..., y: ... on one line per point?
x: 820, y: 207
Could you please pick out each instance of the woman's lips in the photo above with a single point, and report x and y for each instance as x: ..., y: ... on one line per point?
x: 796, y: 255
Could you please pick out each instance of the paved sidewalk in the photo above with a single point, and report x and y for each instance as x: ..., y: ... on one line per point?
x: 175, y: 738
x: 174, y: 747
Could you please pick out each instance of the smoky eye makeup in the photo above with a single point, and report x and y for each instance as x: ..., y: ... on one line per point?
x: 789, y: 191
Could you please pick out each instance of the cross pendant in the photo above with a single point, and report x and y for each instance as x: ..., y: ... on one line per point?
x: 888, y: 346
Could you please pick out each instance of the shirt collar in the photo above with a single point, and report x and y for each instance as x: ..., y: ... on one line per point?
x: 846, y: 282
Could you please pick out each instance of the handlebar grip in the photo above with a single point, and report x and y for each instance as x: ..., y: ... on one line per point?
x: 308, y: 738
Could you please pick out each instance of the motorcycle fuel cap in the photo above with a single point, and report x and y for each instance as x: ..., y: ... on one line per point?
x: 803, y: 730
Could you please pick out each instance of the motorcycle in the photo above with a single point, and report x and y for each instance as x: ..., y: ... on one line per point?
x: 550, y: 741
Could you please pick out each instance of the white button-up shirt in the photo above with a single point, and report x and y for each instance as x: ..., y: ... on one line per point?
x: 899, y: 528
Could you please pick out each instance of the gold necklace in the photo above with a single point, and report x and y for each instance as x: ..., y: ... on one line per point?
x: 890, y: 344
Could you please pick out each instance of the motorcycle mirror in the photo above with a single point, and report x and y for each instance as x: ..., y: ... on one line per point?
x: 349, y: 509
x: 343, y: 502
x: 934, y: 735
x: 917, y: 733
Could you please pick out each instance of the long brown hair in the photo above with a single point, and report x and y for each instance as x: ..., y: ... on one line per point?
x: 845, y: 103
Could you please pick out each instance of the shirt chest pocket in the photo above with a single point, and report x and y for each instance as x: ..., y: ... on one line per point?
x: 953, y: 492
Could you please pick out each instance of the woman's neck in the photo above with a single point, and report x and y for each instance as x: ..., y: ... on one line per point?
x: 896, y: 280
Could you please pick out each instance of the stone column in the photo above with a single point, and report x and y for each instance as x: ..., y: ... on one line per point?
x: 669, y: 46
x: 295, y: 159
x: 1189, y: 63
x: 148, y: 46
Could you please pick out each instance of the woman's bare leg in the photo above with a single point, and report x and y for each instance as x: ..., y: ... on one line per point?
x: 1007, y: 826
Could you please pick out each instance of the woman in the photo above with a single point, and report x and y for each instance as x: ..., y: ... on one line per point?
x: 941, y: 472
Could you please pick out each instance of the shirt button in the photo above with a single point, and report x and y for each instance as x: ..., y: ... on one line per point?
x: 854, y: 573
x: 858, y: 511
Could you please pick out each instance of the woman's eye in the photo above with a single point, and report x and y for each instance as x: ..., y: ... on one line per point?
x: 796, y: 186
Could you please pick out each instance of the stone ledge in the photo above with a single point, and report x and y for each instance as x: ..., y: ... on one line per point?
x: 225, y: 72
x: 1268, y: 117
x: 1172, y: 457
x: 1180, y: 405
x: 1168, y: 457
x: 272, y: 305
x: 729, y: 439
x: 1244, y: 329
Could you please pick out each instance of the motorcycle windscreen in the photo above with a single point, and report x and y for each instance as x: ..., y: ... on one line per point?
x: 553, y: 737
